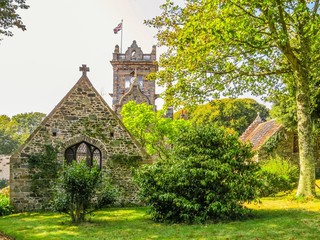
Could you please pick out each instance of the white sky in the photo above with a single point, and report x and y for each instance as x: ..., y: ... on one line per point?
x: 40, y: 65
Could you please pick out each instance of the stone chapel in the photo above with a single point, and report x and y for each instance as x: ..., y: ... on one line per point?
x: 82, y: 126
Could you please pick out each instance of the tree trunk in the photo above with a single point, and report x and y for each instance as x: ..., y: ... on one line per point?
x: 306, y: 187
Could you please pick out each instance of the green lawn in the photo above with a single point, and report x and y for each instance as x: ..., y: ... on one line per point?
x: 275, y: 218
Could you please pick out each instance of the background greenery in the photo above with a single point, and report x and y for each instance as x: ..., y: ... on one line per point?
x: 14, y: 131
x: 235, y: 114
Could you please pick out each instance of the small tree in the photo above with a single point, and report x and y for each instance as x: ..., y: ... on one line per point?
x: 80, y: 191
x: 150, y: 128
x: 208, y: 176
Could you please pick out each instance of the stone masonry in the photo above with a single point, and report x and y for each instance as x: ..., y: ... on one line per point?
x: 125, y: 65
x: 82, y: 116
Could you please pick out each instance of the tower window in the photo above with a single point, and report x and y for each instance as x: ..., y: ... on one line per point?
x: 127, y: 82
x: 133, y: 54
x: 84, y: 151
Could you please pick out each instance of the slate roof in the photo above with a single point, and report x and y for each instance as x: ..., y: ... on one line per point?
x: 259, y: 132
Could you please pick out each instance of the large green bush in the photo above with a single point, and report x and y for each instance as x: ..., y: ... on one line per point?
x: 81, y: 190
x: 278, y: 175
x: 208, y: 177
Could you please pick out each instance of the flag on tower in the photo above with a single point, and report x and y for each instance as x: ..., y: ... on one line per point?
x: 117, y: 28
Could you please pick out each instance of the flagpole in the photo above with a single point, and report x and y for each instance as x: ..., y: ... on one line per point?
x: 121, y: 35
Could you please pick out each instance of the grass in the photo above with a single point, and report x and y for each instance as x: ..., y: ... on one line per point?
x: 274, y: 218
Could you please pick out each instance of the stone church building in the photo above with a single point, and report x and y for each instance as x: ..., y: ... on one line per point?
x: 83, y: 126
x: 271, y: 139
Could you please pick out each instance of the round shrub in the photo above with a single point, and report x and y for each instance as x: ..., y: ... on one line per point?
x: 81, y: 190
x: 278, y: 175
x: 208, y: 177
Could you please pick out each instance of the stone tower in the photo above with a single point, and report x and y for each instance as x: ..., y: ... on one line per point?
x: 129, y: 72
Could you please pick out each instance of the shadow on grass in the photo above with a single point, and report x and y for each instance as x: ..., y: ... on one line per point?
x: 134, y: 223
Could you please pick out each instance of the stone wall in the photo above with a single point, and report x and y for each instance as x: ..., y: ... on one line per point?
x: 287, y: 148
x: 4, y: 167
x: 81, y: 116
x: 142, y: 64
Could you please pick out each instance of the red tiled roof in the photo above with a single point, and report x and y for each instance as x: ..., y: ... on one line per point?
x: 261, y: 133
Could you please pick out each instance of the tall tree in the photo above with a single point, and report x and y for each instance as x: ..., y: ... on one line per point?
x: 232, y: 113
x: 14, y: 131
x: 230, y: 47
x: 9, y: 17
x: 27, y: 123
x: 9, y: 141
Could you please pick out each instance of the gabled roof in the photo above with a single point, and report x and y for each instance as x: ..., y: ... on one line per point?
x: 63, y: 104
x: 259, y: 132
x: 134, y: 93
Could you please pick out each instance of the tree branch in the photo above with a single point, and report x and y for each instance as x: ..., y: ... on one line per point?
x: 252, y: 74
x: 260, y: 74
x: 315, y: 8
x: 282, y: 21
x: 248, y: 13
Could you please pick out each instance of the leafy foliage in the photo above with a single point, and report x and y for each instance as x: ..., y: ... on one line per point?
x: 3, y: 183
x: 9, y: 17
x: 27, y: 122
x: 208, y: 176
x: 76, y: 192
x: 236, y: 114
x: 8, y: 144
x: 273, y: 142
x: 43, y: 169
x: 125, y: 159
x: 8, y: 137
x: 226, y: 48
x: 284, y: 109
x: 150, y: 128
x: 278, y: 175
x: 14, y: 131
x: 5, y: 207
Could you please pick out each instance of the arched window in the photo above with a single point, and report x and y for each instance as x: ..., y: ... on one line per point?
x: 84, y: 151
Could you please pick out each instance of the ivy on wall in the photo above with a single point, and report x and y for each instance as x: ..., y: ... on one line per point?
x: 272, y: 143
x: 43, y: 168
x: 126, y: 160
x: 93, y: 128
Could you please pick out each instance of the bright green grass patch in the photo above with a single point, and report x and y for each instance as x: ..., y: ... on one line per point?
x: 274, y: 218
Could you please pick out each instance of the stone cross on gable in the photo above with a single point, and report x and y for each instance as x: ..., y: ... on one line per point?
x: 84, y: 69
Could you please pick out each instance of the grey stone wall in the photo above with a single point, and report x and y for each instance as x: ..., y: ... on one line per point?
x: 81, y: 116
x: 288, y: 148
x: 124, y: 64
